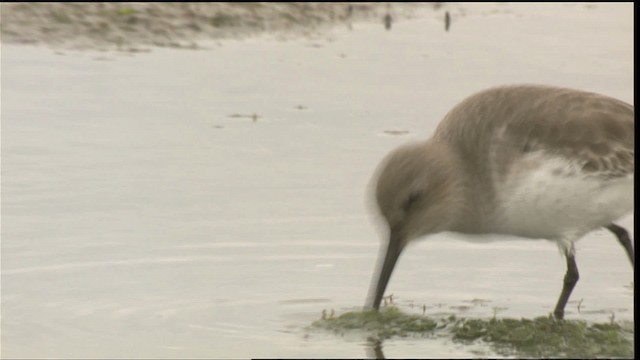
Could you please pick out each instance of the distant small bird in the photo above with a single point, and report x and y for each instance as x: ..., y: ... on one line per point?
x: 348, y: 16
x: 387, y: 21
x: 533, y: 161
x: 447, y: 20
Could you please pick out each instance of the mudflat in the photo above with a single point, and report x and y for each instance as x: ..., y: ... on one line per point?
x: 135, y: 26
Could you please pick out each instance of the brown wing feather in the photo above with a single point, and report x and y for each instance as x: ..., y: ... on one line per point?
x: 595, y: 131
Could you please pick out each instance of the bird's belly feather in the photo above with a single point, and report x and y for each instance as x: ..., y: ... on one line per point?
x: 543, y: 202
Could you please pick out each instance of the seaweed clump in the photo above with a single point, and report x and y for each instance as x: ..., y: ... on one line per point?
x: 539, y: 337
x: 385, y: 324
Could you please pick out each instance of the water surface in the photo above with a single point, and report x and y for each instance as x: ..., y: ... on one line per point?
x: 146, y: 214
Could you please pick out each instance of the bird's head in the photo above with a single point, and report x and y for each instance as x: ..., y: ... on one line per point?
x: 417, y: 192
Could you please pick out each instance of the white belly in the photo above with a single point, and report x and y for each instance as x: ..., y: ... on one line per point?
x: 553, y: 199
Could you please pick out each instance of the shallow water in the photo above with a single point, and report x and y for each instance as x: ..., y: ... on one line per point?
x: 142, y: 217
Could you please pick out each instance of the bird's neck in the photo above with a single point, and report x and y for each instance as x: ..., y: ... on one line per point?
x: 467, y: 197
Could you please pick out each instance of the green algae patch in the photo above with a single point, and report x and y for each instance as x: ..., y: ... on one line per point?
x: 548, y: 337
x: 539, y: 337
x: 387, y: 323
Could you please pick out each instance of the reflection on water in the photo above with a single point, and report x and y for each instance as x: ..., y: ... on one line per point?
x: 374, y: 349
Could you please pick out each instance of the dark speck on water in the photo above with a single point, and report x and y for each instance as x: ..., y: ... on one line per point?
x: 387, y: 21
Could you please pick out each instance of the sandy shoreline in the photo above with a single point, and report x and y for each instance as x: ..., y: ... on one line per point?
x: 134, y: 26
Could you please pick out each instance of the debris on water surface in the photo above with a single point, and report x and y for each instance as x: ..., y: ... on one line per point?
x: 480, y: 302
x: 539, y: 337
x: 252, y: 116
x: 396, y: 132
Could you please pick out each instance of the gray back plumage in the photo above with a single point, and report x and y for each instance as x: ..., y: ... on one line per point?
x: 595, y: 131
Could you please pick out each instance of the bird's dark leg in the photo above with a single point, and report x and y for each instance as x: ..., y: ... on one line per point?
x: 624, y: 240
x: 570, y: 280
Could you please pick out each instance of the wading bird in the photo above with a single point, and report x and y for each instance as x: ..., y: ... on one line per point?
x: 533, y: 161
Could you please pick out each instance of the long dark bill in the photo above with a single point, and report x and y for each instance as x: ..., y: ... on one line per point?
x: 394, y: 249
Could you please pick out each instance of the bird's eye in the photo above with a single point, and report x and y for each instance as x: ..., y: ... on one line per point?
x: 411, y: 200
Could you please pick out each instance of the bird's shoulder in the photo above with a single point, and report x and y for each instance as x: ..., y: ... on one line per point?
x: 593, y: 130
